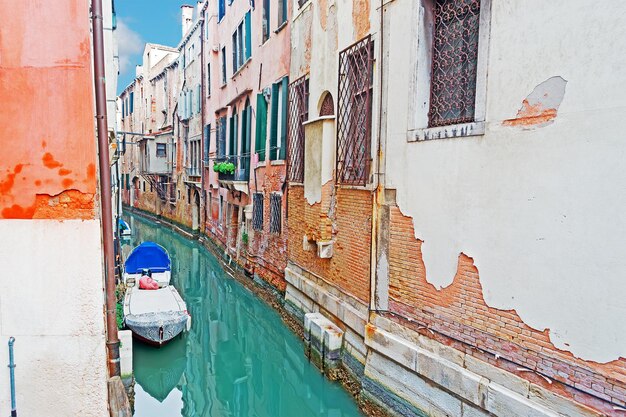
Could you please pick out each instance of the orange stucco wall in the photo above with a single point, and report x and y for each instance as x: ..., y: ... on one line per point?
x: 47, y: 136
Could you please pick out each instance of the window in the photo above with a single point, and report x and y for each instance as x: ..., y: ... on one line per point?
x: 266, y: 20
x: 354, y: 116
x: 454, y: 63
x: 221, y: 137
x: 234, y: 124
x: 278, y: 128
x: 301, y: 3
x: 261, y: 126
x: 220, y: 214
x: 257, y: 211
x: 161, y: 150
x: 208, y: 80
x: 298, y: 114
x: 241, y: 43
x: 221, y: 10
x: 275, y: 212
x: 223, y: 65
x: 282, y: 12
x: 143, y: 184
x: 132, y: 102
x: 207, y: 142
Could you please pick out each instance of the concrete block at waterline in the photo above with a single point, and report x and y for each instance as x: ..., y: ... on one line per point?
x: 504, y: 402
x: 308, y: 319
x: 333, y: 337
x: 126, y: 353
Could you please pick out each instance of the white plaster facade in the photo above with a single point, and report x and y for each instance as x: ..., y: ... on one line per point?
x: 51, y: 301
x: 538, y: 208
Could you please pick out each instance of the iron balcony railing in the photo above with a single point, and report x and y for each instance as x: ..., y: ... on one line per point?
x: 242, y: 169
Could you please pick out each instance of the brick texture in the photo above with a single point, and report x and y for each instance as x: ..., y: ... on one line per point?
x: 458, y: 316
x: 344, y: 216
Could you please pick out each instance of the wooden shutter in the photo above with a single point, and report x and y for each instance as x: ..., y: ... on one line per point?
x: 283, y: 118
x: 274, y: 123
x: 248, y: 53
x: 261, y: 126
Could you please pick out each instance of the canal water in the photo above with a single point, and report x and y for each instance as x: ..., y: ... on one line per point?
x: 239, y: 359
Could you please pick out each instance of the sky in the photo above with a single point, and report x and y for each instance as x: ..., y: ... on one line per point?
x: 141, y: 21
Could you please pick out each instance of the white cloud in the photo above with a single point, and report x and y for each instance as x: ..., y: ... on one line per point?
x: 129, y: 43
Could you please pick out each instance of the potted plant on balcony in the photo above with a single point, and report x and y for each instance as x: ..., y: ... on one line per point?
x: 224, y: 167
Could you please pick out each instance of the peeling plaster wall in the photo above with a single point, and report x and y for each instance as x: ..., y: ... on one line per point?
x: 51, y: 288
x: 540, y: 210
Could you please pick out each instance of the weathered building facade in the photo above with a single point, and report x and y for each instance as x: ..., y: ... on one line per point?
x: 247, y: 70
x: 52, y: 293
x: 447, y: 195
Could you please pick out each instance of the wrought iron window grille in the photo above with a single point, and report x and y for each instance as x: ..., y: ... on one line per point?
x: 257, y: 211
x: 298, y: 113
x: 454, y: 62
x: 275, y: 213
x: 354, y: 113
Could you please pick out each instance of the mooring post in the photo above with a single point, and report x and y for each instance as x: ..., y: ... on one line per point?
x: 12, y: 376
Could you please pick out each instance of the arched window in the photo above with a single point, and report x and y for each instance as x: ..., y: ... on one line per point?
x: 328, y: 105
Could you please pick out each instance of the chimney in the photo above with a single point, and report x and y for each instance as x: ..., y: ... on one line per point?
x: 187, y: 17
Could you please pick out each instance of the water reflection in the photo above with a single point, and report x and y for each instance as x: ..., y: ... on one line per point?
x: 238, y: 360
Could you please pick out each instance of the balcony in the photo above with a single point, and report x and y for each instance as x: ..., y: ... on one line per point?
x: 238, y: 180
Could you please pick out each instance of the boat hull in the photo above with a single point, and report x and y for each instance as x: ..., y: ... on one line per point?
x: 157, y: 328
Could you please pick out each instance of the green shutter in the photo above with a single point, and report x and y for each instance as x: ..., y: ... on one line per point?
x: 274, y: 123
x: 248, y: 35
x: 244, y: 131
x: 283, y: 119
x: 261, y: 126
x: 236, y: 134
x: 128, y: 181
x: 231, y: 137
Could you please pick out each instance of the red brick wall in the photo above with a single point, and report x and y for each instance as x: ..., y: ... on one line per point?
x: 350, y: 227
x: 458, y: 316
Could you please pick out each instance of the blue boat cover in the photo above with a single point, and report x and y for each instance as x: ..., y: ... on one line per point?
x: 148, y: 255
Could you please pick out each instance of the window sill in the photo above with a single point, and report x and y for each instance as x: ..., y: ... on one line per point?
x: 281, y: 26
x: 277, y: 162
x: 241, y: 68
x: 447, y: 132
x: 301, y: 10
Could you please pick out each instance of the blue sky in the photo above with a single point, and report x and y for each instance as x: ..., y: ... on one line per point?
x: 141, y: 21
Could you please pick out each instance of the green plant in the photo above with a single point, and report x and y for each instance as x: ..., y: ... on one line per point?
x: 224, y: 167
x: 244, y: 238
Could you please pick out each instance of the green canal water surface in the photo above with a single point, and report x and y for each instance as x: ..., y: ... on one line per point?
x: 239, y: 359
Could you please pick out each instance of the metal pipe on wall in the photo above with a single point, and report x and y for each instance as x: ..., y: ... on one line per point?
x: 12, y: 376
x: 113, y: 343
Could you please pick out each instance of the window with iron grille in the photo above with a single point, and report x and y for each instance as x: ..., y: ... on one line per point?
x: 275, y: 212
x: 454, y: 62
x: 257, y: 211
x: 354, y: 115
x: 298, y: 109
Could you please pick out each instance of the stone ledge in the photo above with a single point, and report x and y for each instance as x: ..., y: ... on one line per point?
x: 470, y: 382
x: 341, y: 309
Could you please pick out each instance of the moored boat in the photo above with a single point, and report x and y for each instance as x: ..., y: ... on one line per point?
x: 158, y: 314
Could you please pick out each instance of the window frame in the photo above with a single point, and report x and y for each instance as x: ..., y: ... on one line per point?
x: 164, y: 148
x: 421, y: 67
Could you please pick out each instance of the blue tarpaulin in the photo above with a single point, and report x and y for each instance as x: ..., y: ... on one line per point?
x: 148, y: 255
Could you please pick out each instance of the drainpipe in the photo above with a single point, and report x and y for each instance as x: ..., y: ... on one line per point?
x: 12, y: 376
x: 378, y: 199
x: 113, y: 343
x: 202, y: 207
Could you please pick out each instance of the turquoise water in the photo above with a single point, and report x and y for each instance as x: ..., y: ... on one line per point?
x: 239, y: 359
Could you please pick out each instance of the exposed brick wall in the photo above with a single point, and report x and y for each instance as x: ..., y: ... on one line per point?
x: 349, y: 224
x: 268, y: 251
x: 458, y: 316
